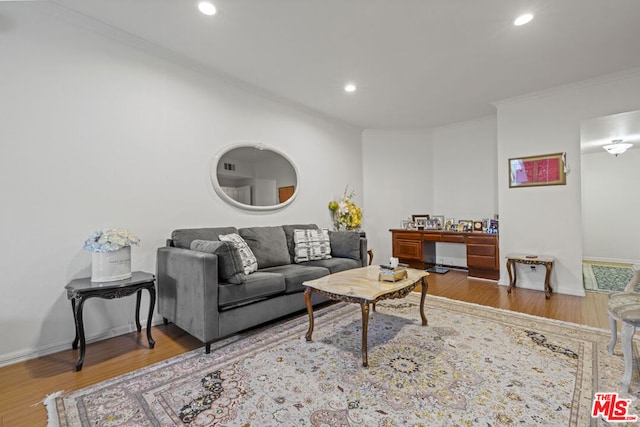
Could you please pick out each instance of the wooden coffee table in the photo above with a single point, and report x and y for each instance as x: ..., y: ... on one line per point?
x: 361, y: 286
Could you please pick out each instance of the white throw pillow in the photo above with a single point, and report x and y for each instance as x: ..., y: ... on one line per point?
x: 249, y: 262
x: 311, y: 245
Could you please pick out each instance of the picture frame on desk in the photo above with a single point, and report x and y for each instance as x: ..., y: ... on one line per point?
x: 440, y: 219
x: 467, y: 225
x: 449, y: 224
x: 432, y: 224
x: 477, y: 226
x: 421, y: 222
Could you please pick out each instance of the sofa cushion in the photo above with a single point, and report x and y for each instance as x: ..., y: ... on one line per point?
x: 269, y: 245
x: 257, y: 286
x: 249, y: 263
x: 288, y: 232
x: 230, y: 268
x: 334, y: 264
x: 183, y: 237
x: 311, y: 244
x: 295, y: 274
x: 345, y: 244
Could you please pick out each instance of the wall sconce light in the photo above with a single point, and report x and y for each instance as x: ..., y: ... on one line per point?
x: 617, y: 147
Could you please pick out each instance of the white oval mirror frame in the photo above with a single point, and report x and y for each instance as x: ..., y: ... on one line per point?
x: 218, y: 163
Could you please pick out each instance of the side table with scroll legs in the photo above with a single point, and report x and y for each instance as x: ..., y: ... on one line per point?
x: 531, y: 260
x: 80, y: 290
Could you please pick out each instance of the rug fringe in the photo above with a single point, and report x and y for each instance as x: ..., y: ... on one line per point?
x: 52, y: 412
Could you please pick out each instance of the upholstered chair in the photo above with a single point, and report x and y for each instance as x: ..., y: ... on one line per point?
x: 625, y: 307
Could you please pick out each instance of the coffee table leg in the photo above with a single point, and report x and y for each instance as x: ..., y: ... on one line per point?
x: 365, y: 326
x: 307, y: 301
x: 424, y: 287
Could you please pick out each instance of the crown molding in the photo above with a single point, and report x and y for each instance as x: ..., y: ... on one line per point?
x: 595, y: 81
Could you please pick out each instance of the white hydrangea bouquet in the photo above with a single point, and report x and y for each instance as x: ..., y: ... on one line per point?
x: 110, y: 240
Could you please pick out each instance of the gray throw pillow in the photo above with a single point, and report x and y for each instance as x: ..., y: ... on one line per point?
x: 345, y: 244
x: 230, y: 268
x: 268, y: 244
x: 249, y: 263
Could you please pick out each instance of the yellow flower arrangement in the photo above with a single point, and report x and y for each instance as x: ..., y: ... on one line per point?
x: 345, y: 213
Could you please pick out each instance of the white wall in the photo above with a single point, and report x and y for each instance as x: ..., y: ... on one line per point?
x: 398, y: 177
x: 610, y: 206
x: 465, y: 178
x: 449, y: 170
x: 548, y: 220
x: 97, y: 133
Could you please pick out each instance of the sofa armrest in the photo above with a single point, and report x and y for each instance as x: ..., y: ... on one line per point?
x: 364, y: 256
x: 187, y: 283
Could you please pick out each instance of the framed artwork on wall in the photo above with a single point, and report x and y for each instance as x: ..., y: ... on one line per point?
x: 546, y: 169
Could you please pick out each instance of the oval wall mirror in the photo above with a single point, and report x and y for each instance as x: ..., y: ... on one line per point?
x: 254, y: 177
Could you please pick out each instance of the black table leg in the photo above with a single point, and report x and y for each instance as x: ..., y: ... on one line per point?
x: 152, y: 303
x: 80, y: 331
x: 74, y: 345
x: 138, y: 297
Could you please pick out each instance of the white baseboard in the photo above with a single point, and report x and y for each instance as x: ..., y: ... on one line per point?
x: 618, y: 260
x: 558, y: 290
x: 33, y: 353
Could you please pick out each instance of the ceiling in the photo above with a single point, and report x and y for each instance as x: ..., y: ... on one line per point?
x: 416, y: 63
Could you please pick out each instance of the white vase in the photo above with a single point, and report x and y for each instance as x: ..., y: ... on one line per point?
x: 111, y: 266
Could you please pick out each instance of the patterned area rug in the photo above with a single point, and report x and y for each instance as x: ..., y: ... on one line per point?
x: 470, y: 366
x: 606, y: 277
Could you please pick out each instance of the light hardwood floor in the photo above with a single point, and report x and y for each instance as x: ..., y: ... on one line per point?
x: 23, y: 385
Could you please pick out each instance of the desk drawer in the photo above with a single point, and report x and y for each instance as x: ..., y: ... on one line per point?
x: 452, y: 238
x: 482, y: 240
x: 407, y: 249
x: 432, y: 237
x: 479, y: 261
x: 485, y: 250
x: 407, y: 236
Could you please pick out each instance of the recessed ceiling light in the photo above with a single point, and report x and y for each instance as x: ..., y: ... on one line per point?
x: 207, y: 8
x: 350, y: 87
x: 523, y: 19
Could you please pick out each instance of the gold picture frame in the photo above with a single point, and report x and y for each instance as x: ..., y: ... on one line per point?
x: 545, y: 169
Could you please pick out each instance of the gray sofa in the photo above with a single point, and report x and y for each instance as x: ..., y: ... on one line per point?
x: 203, y: 290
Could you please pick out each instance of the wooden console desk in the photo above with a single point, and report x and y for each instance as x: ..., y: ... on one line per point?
x: 418, y: 249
